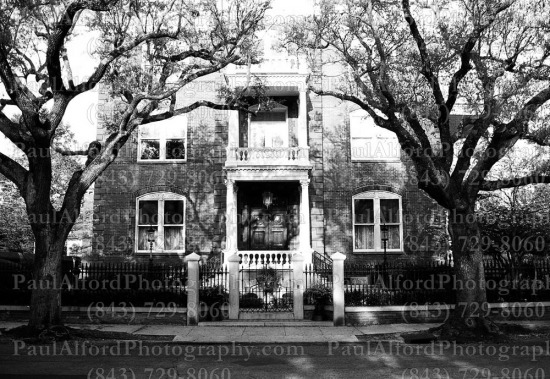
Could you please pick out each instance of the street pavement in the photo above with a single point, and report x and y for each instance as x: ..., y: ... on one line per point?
x: 267, y: 351
x: 368, y: 359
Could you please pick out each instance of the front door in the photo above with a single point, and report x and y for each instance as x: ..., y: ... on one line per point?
x: 268, y: 229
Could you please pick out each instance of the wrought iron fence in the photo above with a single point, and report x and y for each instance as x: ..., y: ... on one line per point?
x: 213, y: 274
x: 399, y: 283
x: 317, y: 275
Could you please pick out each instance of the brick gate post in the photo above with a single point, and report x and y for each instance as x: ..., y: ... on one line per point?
x: 192, y: 288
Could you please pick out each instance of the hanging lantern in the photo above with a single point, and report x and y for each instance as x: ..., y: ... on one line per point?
x: 384, y: 229
x: 268, y: 198
x: 151, y: 234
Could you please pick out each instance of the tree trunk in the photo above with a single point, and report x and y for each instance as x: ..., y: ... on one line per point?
x: 471, y: 309
x: 45, y: 308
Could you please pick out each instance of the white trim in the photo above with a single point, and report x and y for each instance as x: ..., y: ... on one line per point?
x: 162, y: 132
x: 376, y: 195
x: 160, y: 197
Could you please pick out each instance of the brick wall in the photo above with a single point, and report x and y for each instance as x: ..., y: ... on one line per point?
x: 424, y: 220
x: 200, y: 180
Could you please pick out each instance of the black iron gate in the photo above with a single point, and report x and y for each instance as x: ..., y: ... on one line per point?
x: 266, y: 288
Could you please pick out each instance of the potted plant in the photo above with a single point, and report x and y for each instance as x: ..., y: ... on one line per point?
x: 211, y: 300
x: 320, y: 295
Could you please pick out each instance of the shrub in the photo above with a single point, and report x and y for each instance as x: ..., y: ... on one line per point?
x: 213, y: 295
x: 250, y: 300
x: 320, y: 295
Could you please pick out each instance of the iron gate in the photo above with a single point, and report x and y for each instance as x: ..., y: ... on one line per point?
x: 266, y: 288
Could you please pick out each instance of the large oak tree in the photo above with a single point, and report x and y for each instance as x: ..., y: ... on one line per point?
x: 147, y: 51
x: 407, y: 65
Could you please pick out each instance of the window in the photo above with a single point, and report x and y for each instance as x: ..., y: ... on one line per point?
x: 163, y: 141
x: 269, y: 128
x: 165, y: 213
x: 371, y: 211
x: 370, y: 142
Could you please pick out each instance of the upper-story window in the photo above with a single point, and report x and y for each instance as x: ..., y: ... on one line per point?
x: 372, y: 211
x: 163, y: 212
x: 268, y: 128
x: 370, y: 142
x: 164, y: 141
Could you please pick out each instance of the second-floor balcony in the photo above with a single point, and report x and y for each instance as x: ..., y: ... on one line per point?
x: 273, y: 136
x: 268, y: 156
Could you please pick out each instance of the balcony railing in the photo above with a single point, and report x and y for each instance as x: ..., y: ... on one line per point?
x: 268, y: 156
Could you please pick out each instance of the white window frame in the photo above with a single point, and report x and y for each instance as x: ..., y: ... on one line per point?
x: 376, y: 196
x: 161, y: 197
x: 162, y: 132
x: 371, y: 132
x: 253, y: 108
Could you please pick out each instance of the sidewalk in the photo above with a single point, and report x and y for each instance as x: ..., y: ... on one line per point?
x: 247, y: 333
x: 263, y: 333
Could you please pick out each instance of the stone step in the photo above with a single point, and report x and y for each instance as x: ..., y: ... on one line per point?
x: 253, y: 316
x: 262, y: 323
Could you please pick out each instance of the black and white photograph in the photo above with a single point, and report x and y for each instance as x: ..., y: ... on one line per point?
x: 227, y: 189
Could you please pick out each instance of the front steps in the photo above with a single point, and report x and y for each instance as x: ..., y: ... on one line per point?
x: 266, y: 316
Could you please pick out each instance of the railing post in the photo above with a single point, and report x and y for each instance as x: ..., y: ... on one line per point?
x: 233, y: 267
x: 192, y: 288
x: 298, y: 285
x: 338, y: 289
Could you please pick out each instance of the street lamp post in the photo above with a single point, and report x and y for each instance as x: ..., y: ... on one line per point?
x: 151, y: 240
x: 384, y: 229
x: 385, y: 242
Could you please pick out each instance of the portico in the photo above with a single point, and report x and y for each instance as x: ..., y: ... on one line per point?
x: 276, y: 230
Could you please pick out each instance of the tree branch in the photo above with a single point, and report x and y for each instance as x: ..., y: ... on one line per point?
x: 426, y: 70
x: 465, y: 56
x: 191, y: 107
x: 493, y: 185
x: 114, y: 54
x: 13, y: 171
x: 62, y: 28
x: 68, y: 153
x: 354, y: 99
x: 12, y: 131
x: 4, y: 102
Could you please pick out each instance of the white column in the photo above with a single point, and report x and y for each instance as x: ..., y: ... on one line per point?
x: 232, y: 136
x: 338, y: 303
x: 305, y: 228
x: 193, y: 288
x: 231, y: 220
x: 302, y: 120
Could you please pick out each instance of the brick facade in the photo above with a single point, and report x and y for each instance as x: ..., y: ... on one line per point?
x: 334, y: 179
